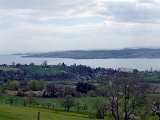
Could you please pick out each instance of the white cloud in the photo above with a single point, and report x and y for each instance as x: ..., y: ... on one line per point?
x: 46, y: 25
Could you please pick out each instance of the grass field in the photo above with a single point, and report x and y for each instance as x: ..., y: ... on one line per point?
x: 18, y: 112
x: 11, y: 112
x: 14, y: 112
x: 56, y: 101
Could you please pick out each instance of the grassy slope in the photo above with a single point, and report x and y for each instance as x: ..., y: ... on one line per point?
x: 151, y: 77
x: 56, y: 101
x: 19, y: 112
x: 8, y: 112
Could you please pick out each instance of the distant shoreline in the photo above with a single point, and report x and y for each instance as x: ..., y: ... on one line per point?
x: 86, y: 58
x: 146, y: 53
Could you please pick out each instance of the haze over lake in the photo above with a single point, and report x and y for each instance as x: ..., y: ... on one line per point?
x: 140, y: 64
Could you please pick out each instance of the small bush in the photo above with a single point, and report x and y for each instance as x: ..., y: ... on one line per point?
x: 20, y: 93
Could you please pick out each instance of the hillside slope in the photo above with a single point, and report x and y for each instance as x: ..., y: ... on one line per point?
x: 101, y: 54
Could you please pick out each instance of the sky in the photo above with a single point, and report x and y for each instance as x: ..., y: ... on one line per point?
x: 53, y: 25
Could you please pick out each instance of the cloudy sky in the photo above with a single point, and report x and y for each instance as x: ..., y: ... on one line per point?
x: 48, y: 25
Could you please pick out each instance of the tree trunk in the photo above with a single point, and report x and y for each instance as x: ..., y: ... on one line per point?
x: 68, y: 108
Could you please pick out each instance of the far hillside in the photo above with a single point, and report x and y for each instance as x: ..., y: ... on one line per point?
x: 100, y: 54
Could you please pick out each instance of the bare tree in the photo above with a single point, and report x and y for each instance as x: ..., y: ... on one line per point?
x: 156, y: 108
x: 31, y: 98
x: 101, y: 109
x: 125, y: 92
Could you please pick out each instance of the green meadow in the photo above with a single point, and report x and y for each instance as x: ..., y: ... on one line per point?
x: 12, y: 112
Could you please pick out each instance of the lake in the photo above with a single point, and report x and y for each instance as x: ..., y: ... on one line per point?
x: 140, y: 64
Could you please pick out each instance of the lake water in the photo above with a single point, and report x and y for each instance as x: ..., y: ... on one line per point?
x: 140, y: 64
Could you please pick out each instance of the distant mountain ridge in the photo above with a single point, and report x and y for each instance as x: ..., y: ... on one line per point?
x: 101, y: 54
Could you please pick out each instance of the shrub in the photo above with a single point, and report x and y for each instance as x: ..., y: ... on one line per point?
x: 20, y: 93
x: 35, y: 85
x: 13, y: 85
x: 68, y: 102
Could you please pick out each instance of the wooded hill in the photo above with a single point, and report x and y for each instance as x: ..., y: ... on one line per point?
x: 100, y: 54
